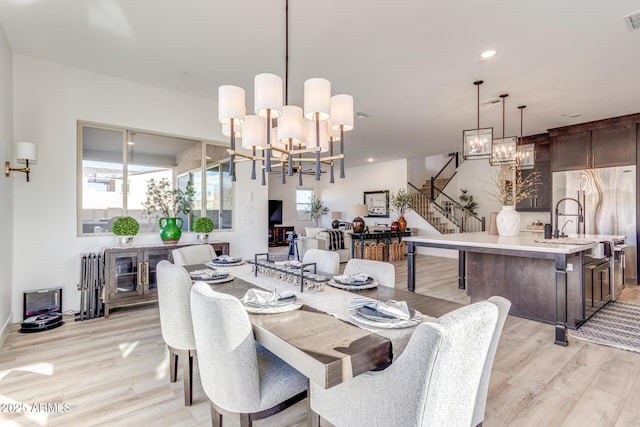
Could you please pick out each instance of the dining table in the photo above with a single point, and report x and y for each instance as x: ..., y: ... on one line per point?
x: 321, y: 339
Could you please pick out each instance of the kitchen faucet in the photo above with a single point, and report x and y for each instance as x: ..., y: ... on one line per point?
x: 565, y: 224
x: 556, y: 232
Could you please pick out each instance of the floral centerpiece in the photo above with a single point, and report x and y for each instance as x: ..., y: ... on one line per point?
x: 167, y: 203
x: 203, y: 226
x: 511, y: 189
x: 402, y: 202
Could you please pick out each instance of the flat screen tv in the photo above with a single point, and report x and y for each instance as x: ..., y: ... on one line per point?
x: 275, y: 212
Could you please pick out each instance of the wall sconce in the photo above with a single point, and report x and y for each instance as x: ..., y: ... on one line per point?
x: 27, y: 152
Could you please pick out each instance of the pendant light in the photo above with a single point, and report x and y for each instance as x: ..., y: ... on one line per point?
x: 504, y: 149
x: 525, y: 153
x: 476, y: 143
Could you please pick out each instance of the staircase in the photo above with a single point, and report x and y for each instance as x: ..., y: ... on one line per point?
x: 441, y: 211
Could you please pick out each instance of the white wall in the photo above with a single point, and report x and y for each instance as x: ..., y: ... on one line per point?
x: 421, y: 169
x: 6, y: 187
x: 48, y: 100
x: 287, y: 193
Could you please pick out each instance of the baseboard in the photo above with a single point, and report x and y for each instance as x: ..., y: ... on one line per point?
x: 4, y: 333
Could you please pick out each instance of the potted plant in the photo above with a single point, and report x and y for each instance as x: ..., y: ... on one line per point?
x: 402, y: 202
x: 316, y: 209
x: 167, y: 203
x: 467, y: 203
x: 203, y: 226
x: 125, y: 227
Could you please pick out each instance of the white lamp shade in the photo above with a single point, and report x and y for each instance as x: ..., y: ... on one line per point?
x: 336, y: 215
x: 26, y: 151
x: 268, y: 94
x: 333, y: 133
x: 255, y: 132
x: 324, y: 134
x: 359, y: 210
x: 290, y: 124
x: 231, y: 104
x: 237, y: 129
x: 342, y: 112
x: 317, y: 98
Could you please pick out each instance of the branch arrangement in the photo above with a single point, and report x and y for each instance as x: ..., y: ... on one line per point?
x: 511, y: 188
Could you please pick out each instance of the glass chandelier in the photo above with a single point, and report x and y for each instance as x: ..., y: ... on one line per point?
x: 526, y: 153
x: 504, y: 149
x: 476, y: 143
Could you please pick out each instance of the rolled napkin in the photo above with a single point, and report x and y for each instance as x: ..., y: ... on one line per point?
x: 397, y: 309
x: 354, y: 278
x: 204, y: 274
x: 260, y: 297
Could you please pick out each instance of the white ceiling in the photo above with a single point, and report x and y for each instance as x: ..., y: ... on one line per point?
x: 409, y: 63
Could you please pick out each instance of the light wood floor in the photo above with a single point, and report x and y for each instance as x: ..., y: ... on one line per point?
x: 115, y: 372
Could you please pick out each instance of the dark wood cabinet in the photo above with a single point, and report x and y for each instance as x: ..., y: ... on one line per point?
x: 613, y: 146
x: 542, y: 201
x: 572, y: 151
x: 130, y: 273
x: 604, y: 143
x: 278, y: 235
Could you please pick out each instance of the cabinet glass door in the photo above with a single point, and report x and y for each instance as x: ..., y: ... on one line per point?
x: 127, y: 278
x: 153, y: 258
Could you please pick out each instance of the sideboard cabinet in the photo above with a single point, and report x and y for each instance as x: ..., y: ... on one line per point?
x: 130, y: 272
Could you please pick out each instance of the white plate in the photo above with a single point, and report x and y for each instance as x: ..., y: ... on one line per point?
x: 273, y: 309
x: 226, y: 279
x: 225, y: 264
x: 399, y: 324
x: 352, y: 287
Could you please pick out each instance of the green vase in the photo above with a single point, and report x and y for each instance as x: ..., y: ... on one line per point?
x: 170, y: 230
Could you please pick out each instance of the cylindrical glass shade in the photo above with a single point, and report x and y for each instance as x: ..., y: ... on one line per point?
x: 342, y: 112
x: 230, y: 104
x: 26, y: 151
x: 255, y: 132
x: 317, y: 98
x: 237, y: 129
x: 290, y: 124
x: 268, y: 94
x: 324, y: 134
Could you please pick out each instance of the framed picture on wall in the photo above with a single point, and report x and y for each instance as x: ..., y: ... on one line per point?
x: 377, y: 203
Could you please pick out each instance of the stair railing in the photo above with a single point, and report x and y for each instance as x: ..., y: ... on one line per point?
x: 446, y: 173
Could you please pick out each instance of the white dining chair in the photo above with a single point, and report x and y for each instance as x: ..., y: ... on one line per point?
x: 174, y: 290
x: 195, y: 254
x: 503, y: 305
x: 242, y: 379
x: 434, y: 382
x: 327, y: 262
x: 383, y: 272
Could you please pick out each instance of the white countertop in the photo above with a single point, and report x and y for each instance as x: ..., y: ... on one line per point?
x: 522, y: 242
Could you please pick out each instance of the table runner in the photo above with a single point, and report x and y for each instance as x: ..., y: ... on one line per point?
x: 332, y: 301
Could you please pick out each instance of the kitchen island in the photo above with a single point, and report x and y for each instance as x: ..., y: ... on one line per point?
x: 542, y: 278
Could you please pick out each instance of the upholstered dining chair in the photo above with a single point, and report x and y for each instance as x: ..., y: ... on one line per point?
x: 383, y: 272
x: 195, y: 254
x: 434, y: 382
x: 326, y: 261
x: 242, y: 379
x: 503, y: 305
x: 174, y: 290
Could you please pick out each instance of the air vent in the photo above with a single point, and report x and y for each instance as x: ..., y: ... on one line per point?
x: 361, y: 115
x: 489, y: 102
x: 633, y: 21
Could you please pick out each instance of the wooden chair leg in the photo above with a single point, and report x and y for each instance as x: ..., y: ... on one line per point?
x: 216, y: 417
x: 313, y: 419
x: 173, y: 366
x: 187, y: 371
x: 245, y: 420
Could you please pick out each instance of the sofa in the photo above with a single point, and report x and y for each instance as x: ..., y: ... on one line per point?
x: 318, y: 238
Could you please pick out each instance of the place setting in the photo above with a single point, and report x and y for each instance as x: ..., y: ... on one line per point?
x: 353, y: 282
x: 211, y: 276
x: 383, y: 314
x: 225, y: 260
x: 257, y: 301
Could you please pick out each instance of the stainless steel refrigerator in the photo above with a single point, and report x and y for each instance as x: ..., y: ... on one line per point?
x: 608, y: 197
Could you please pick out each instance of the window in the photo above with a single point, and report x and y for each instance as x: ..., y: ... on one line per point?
x: 303, y: 202
x: 116, y: 164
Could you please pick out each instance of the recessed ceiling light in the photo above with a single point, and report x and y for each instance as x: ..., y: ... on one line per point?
x: 488, y: 54
x: 574, y: 115
x: 369, y: 160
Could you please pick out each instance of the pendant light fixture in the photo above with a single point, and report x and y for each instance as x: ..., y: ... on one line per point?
x: 290, y: 147
x: 526, y: 153
x: 476, y: 143
x: 504, y: 149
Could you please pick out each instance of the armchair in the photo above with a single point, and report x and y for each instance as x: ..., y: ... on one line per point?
x: 318, y: 238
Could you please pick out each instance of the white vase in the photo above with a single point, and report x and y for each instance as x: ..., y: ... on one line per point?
x: 508, y: 221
